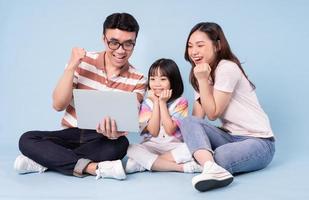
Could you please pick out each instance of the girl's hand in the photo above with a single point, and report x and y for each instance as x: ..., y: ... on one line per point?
x: 152, y: 96
x: 202, y: 71
x: 165, y: 95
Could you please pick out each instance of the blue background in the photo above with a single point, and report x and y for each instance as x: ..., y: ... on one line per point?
x: 270, y: 38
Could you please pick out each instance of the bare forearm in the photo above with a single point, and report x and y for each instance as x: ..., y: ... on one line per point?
x: 154, y: 122
x: 198, y: 110
x: 168, y: 124
x: 207, y: 100
x: 62, y: 94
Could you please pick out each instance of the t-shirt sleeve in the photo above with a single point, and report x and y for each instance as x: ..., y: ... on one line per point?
x: 180, y: 111
x: 227, y: 76
x: 144, y: 114
x: 141, y: 86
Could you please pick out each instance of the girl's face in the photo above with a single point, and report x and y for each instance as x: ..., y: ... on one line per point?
x: 158, y: 83
x: 200, y: 48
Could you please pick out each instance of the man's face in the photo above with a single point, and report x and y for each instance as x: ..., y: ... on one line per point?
x: 119, y: 46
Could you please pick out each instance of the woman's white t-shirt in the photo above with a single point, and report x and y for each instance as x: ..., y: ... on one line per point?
x: 243, y: 115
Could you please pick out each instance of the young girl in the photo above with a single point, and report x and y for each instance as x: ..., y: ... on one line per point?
x: 162, y: 148
x: 245, y: 142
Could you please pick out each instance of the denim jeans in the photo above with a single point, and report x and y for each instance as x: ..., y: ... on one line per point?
x: 237, y: 154
x: 70, y: 150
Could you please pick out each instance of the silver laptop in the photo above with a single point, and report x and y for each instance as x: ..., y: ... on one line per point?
x: 92, y: 106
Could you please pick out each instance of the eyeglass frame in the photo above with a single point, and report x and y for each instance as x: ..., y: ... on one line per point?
x: 122, y: 44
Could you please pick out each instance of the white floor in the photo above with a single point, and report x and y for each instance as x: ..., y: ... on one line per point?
x: 285, y: 178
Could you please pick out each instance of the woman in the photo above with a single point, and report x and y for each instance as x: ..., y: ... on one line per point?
x: 245, y: 142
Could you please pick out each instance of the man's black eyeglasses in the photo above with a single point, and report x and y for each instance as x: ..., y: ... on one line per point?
x: 114, y: 45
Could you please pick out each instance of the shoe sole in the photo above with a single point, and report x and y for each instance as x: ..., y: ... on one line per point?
x: 206, y: 185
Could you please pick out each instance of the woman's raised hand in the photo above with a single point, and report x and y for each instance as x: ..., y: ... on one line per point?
x: 202, y: 71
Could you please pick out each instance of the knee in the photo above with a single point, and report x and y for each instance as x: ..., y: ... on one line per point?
x: 135, y: 150
x: 181, y: 154
x: 121, y: 147
x: 187, y: 120
x: 24, y: 140
x: 108, y: 149
x: 236, y: 162
x: 190, y: 122
x: 185, y: 125
x: 222, y: 159
x: 131, y: 149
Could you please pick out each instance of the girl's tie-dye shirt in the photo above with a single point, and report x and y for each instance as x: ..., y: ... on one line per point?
x: 178, y: 110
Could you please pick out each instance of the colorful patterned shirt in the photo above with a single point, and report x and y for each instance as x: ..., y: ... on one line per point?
x: 178, y: 110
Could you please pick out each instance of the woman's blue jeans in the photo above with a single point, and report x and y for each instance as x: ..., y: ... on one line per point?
x: 237, y: 154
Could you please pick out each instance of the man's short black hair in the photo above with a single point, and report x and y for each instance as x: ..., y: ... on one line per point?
x: 121, y: 21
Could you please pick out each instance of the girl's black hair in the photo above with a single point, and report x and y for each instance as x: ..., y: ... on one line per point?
x: 169, y: 69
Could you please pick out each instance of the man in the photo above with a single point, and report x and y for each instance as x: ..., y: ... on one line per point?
x: 74, y: 151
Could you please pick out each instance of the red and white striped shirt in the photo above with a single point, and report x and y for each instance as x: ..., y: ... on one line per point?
x: 91, y: 74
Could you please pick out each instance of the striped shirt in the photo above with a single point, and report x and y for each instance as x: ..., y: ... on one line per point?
x: 91, y: 75
x: 178, y: 110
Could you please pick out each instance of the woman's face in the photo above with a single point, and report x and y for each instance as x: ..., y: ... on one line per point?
x: 200, y: 48
x: 158, y: 83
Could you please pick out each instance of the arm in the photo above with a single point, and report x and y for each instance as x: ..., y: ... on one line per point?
x: 140, y: 88
x: 153, y: 126
x: 154, y: 123
x: 140, y: 97
x: 62, y: 94
x: 168, y: 124
x: 198, y: 110
x: 213, y: 101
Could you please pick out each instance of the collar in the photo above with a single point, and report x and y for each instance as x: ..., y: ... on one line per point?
x: 101, y: 64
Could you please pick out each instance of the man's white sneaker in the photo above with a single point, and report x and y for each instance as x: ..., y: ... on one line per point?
x: 110, y: 169
x: 213, y: 176
x: 25, y: 165
x: 192, y: 167
x: 133, y: 166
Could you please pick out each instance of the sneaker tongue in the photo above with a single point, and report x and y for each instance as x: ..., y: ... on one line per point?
x: 106, y: 167
x: 208, y: 165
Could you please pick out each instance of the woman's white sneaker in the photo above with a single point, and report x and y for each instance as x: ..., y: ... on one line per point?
x: 132, y: 166
x: 110, y: 169
x: 25, y: 165
x: 213, y: 176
